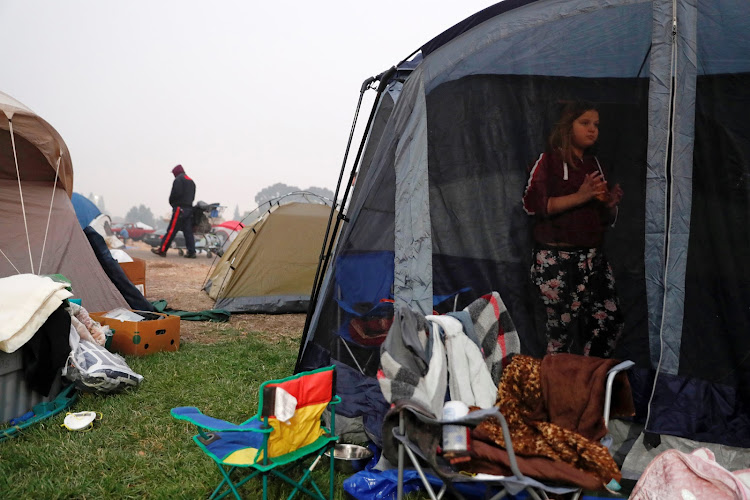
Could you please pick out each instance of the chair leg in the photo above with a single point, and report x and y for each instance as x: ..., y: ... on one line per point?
x: 400, y: 482
x: 317, y: 489
x: 228, y: 482
x: 415, y: 462
x: 297, y: 485
x: 420, y: 472
x: 533, y: 494
x: 501, y: 494
x: 331, y: 476
x: 305, y: 477
x: 218, y: 488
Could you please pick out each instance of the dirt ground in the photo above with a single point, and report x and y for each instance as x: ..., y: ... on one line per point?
x: 180, y: 282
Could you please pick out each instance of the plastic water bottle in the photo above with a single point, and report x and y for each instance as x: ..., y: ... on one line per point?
x: 455, y: 437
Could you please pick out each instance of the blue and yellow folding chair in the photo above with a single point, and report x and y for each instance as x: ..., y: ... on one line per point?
x: 285, y: 432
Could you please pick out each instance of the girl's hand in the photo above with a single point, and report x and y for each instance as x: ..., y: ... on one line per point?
x: 593, y: 186
x: 615, y: 196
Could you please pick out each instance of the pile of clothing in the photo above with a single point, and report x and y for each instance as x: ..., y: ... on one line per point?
x: 463, y: 352
x: 85, y: 327
x: 553, y: 407
x: 28, y: 301
x: 56, y: 336
x: 32, y: 318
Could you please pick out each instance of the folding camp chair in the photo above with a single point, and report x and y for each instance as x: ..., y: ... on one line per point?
x: 408, y: 447
x: 285, y: 432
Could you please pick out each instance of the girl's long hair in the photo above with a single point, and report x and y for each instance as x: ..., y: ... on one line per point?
x: 562, y: 133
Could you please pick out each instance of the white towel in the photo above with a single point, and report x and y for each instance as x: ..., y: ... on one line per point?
x: 26, y: 301
x: 469, y: 379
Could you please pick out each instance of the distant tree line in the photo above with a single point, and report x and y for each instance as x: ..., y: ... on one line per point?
x: 279, y: 189
x: 271, y: 193
x: 141, y: 213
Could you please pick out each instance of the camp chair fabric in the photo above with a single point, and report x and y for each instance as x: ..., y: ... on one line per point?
x: 286, y: 430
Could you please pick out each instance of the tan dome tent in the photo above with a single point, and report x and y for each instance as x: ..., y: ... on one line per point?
x: 40, y: 232
x: 270, y: 266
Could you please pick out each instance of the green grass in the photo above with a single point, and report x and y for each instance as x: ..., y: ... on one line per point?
x: 138, y: 450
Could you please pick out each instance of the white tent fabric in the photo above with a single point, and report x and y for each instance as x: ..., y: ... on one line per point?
x: 101, y: 224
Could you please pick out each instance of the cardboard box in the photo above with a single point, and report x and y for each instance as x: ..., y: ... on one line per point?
x: 136, y: 273
x: 140, y: 338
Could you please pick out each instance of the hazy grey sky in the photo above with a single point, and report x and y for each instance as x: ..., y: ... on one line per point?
x: 243, y: 94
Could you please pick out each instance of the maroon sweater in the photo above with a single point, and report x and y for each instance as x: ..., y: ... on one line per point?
x: 581, y: 226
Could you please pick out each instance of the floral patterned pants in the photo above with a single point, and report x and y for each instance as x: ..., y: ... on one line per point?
x: 577, y: 290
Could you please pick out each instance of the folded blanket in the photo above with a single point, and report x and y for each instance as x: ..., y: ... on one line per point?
x: 469, y: 380
x: 488, y: 323
x: 27, y: 301
x: 674, y: 474
x: 412, y: 362
x: 536, y: 432
x: 574, y: 387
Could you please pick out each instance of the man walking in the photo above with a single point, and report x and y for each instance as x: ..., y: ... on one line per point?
x: 181, y: 198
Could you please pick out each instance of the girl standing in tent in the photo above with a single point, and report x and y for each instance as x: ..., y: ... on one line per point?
x: 572, y: 204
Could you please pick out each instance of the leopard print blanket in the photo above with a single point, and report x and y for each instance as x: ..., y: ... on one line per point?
x: 520, y: 400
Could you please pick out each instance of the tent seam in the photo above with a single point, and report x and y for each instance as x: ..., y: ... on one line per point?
x: 668, y: 202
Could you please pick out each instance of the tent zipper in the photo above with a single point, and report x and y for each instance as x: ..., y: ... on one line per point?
x: 668, y: 166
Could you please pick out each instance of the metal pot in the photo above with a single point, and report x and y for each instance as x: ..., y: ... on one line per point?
x: 350, y: 458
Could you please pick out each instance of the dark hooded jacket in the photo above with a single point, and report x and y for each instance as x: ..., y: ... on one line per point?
x: 183, y: 191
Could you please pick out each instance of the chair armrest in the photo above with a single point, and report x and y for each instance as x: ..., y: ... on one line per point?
x: 195, y: 417
x: 611, y: 374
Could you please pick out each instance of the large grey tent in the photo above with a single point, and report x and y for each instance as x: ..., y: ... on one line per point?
x: 436, y: 208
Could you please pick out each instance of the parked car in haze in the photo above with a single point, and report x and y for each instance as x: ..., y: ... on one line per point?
x: 136, y: 232
x: 153, y: 239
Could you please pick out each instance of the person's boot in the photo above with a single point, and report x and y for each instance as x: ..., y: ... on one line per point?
x: 190, y: 255
x: 158, y: 252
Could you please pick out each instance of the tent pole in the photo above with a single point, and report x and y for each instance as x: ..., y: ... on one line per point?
x: 49, y: 214
x: 325, y: 253
x: 20, y: 191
